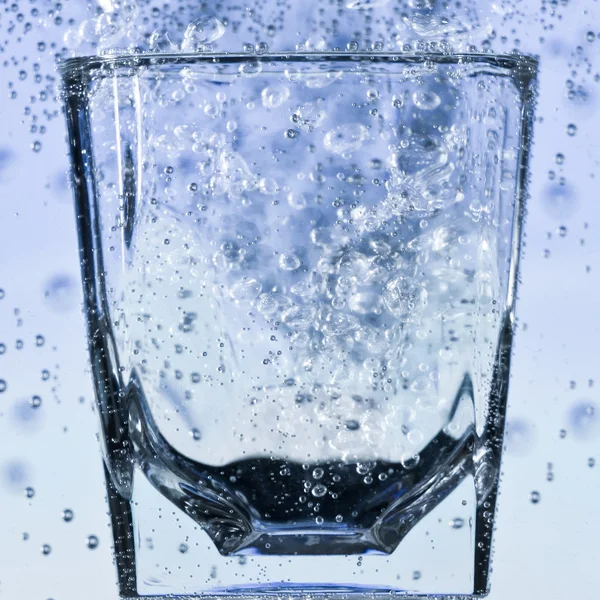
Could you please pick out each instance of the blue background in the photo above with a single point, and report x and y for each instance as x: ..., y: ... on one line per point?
x: 544, y: 550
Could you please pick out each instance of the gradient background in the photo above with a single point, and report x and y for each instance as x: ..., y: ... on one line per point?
x: 548, y: 549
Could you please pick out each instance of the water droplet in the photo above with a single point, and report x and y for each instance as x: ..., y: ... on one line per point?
x: 590, y: 36
x: 46, y: 549
x: 591, y: 462
x: 29, y: 492
x: 67, y: 515
x: 195, y: 434
x: 183, y: 548
x: 92, y: 542
x: 2, y: 385
x: 571, y: 129
x: 416, y: 575
x: 39, y: 340
x: 36, y: 146
x: 559, y: 158
x: 35, y: 402
x: 534, y: 497
x: 457, y: 523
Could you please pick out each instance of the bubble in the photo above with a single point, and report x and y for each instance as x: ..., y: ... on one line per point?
x: 352, y: 425
x: 319, y: 490
x: 457, y: 523
x: 559, y: 158
x: 39, y: 340
x: 345, y: 138
x: 268, y: 186
x: 534, y: 497
x: 310, y: 115
x: 3, y: 385
x: 519, y: 436
x: 289, y: 262
x: 271, y: 302
x: 591, y: 462
x: 292, y: 134
x: 584, y: 420
x: 426, y: 100
x: 46, y: 549
x: 297, y: 200
x: 60, y: 293
x: 362, y: 468
x: 336, y: 323
x: 403, y: 296
x: 262, y: 48
x: 416, y: 575
x: 245, y: 290
x: 195, y: 434
x: 274, y: 96
x: 590, y: 36
x: 183, y: 548
x: 571, y: 129
x: 36, y: 146
x: 299, y: 317
x: 92, y: 542
x: 560, y: 200
x: 67, y: 515
x: 318, y: 473
x: 35, y: 402
x: 250, y: 68
x: 319, y: 520
x: 410, y: 460
x: 29, y: 492
x: 364, y: 4
x: 339, y: 518
x: 159, y: 41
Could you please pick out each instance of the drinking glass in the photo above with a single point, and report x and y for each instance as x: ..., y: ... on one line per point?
x: 299, y: 279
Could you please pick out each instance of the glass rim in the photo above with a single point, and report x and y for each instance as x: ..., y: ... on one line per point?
x: 76, y: 67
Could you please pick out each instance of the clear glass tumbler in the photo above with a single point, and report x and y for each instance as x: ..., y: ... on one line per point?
x: 299, y: 275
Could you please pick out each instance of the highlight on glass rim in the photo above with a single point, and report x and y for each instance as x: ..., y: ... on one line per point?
x: 297, y: 312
